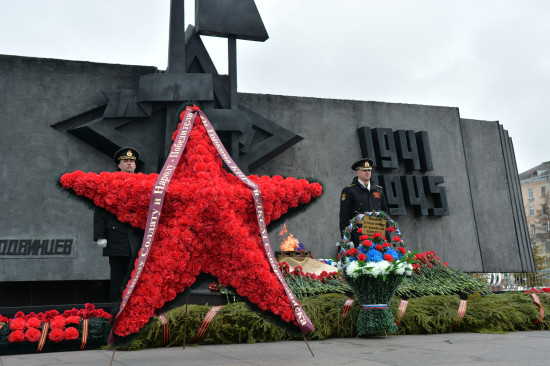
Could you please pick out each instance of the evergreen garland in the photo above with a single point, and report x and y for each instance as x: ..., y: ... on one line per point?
x: 235, y: 323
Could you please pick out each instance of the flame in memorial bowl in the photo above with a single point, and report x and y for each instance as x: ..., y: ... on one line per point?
x: 289, y: 242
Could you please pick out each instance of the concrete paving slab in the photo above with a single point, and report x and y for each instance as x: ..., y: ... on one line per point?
x: 449, y: 349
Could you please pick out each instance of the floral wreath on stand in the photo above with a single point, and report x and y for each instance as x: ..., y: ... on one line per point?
x: 374, y: 268
x: 374, y: 255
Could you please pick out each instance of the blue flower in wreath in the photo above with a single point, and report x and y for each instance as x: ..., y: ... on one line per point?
x: 362, y: 249
x: 374, y: 255
x: 394, y: 253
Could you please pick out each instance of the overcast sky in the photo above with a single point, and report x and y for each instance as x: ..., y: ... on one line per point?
x: 491, y: 59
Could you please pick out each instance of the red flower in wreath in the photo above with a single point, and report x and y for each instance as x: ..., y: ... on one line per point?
x: 17, y: 336
x: 71, y: 333
x: 73, y: 319
x: 33, y: 322
x: 362, y: 257
x: 351, y: 252
x: 56, y: 335
x: 388, y: 257
x: 18, y: 324
x: 32, y: 335
x: 208, y: 224
x: 58, y: 323
x: 367, y: 243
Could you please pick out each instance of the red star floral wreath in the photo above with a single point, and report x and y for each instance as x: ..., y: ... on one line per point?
x: 209, y: 223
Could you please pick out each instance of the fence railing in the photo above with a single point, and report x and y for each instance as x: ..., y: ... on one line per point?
x: 514, y: 281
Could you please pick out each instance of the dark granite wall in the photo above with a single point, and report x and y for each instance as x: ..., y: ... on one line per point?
x: 485, y: 230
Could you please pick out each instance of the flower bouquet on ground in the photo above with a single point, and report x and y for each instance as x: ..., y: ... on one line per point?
x: 52, y: 331
x: 374, y: 267
x: 431, y: 276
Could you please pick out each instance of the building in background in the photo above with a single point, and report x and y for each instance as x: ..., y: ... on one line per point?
x: 535, y: 189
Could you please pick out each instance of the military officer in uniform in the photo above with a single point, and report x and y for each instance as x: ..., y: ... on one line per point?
x: 361, y: 195
x: 120, y: 241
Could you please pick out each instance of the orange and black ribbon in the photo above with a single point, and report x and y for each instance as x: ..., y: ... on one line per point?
x: 84, y: 334
x: 461, y: 312
x: 43, y: 337
x: 165, y: 329
x: 206, y: 322
x: 537, y: 301
x: 347, y: 307
x: 402, y: 308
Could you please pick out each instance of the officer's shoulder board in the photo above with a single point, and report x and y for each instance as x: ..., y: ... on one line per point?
x: 351, y: 185
x: 379, y: 187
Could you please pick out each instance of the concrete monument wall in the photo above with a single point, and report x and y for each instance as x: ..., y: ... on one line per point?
x: 484, y: 230
x: 34, y: 95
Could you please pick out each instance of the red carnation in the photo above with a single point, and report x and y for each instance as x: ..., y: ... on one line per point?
x: 17, y: 336
x: 388, y: 257
x: 397, y: 239
x: 17, y: 324
x: 73, y: 319
x: 391, y: 228
x: 363, y: 237
x: 379, y: 247
x: 362, y: 257
x: 402, y: 250
x: 32, y: 335
x: 367, y: 243
x: 71, y: 333
x: 376, y: 235
x: 58, y: 323
x: 360, y: 230
x: 386, y: 245
x: 56, y: 335
x: 351, y: 252
x: 445, y: 264
x: 316, y: 189
x: 33, y: 323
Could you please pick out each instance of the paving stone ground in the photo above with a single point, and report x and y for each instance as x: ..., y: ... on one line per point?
x: 516, y: 348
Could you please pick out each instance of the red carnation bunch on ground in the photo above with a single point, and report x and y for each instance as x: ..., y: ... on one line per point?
x: 427, y: 259
x: 29, y: 327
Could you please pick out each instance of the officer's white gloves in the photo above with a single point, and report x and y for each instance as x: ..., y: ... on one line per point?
x: 101, y: 243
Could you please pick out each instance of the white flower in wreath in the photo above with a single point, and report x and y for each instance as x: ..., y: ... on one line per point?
x: 379, y: 268
x: 350, y: 269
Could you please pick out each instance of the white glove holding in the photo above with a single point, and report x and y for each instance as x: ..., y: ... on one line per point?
x: 101, y: 243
